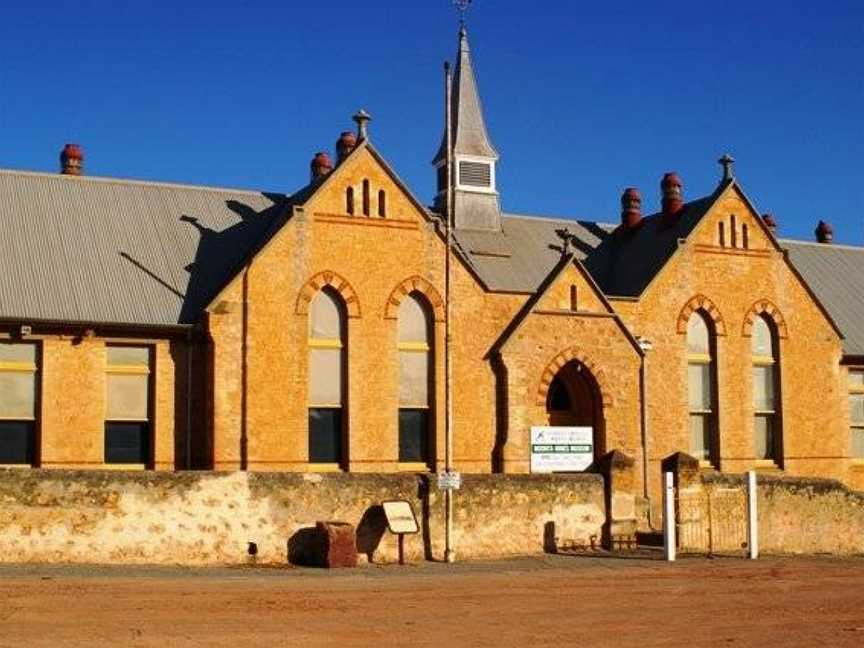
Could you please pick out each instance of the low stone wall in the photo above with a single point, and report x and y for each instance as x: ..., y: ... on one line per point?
x: 795, y: 514
x: 199, y: 518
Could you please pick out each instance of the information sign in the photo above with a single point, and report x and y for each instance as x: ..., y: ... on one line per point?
x: 449, y: 481
x: 400, y: 517
x: 561, y: 449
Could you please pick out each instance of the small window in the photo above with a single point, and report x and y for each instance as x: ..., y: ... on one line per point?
x: 573, y: 303
x: 745, y: 236
x: 733, y: 231
x: 382, y: 204
x: 127, y: 405
x: 349, y: 200
x: 856, y: 411
x: 18, y: 382
x: 475, y: 174
x: 366, y: 198
x: 721, y: 234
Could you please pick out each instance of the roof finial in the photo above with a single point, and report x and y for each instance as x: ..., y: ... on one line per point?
x: 362, y: 118
x: 727, y: 162
x: 568, y: 238
x: 462, y: 8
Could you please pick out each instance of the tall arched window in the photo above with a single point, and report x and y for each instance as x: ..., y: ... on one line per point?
x: 415, y: 378
x: 766, y: 424
x: 382, y: 203
x: 701, y: 379
x: 327, y: 378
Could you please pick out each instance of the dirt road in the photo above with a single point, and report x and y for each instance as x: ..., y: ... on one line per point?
x: 554, y: 600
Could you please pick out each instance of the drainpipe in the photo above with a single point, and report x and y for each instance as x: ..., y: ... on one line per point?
x: 189, y: 401
x: 646, y: 346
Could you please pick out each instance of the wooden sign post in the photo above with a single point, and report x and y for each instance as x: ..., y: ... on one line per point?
x: 400, y: 521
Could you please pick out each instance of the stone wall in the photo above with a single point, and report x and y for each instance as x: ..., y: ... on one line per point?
x: 210, y: 518
x: 796, y: 514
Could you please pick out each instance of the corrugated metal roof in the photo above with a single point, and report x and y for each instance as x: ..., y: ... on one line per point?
x: 121, y: 251
x: 835, y: 273
x: 519, y: 258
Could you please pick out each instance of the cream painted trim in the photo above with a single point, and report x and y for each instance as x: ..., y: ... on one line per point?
x: 415, y: 347
x: 16, y: 466
x: 19, y: 367
x: 324, y: 343
x: 132, y: 370
x: 118, y: 466
x: 23, y: 419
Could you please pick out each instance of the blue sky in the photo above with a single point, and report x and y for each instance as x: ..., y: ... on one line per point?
x: 582, y: 99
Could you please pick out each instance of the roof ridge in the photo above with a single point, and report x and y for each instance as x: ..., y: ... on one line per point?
x: 824, y: 246
x: 132, y: 181
x: 555, y: 218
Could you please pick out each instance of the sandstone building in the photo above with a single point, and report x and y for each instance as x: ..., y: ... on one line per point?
x: 160, y: 326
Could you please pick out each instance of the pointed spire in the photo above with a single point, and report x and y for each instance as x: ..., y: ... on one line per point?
x: 469, y: 127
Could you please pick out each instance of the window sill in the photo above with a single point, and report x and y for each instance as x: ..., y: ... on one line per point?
x: 413, y: 466
x: 704, y: 464
x: 123, y: 466
x: 16, y: 466
x: 323, y: 468
x: 857, y: 464
x: 767, y: 465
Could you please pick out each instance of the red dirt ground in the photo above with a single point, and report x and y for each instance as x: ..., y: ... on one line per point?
x: 555, y: 600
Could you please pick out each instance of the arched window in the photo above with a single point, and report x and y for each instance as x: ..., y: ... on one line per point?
x: 415, y: 379
x: 766, y: 424
x: 366, y: 198
x: 349, y: 200
x: 382, y: 204
x: 327, y: 378
x: 701, y: 383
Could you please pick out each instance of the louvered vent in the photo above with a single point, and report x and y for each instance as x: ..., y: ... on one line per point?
x: 475, y: 174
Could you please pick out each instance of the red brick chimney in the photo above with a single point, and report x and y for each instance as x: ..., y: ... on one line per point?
x: 344, y: 145
x: 72, y: 160
x: 672, y: 189
x: 320, y: 166
x: 770, y: 223
x: 631, y: 208
x: 824, y: 232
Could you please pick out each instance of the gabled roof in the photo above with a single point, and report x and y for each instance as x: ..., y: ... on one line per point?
x: 565, y: 261
x: 469, y: 127
x: 102, y: 250
x: 835, y: 273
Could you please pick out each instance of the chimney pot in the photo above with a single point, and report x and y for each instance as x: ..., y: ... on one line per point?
x: 362, y: 119
x: 631, y: 208
x: 344, y: 145
x: 672, y: 189
x: 824, y: 232
x: 72, y: 160
x: 320, y: 166
x: 770, y: 222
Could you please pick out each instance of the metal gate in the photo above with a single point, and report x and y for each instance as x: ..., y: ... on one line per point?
x: 711, y: 521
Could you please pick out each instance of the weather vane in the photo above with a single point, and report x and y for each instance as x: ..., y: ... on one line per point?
x: 462, y: 8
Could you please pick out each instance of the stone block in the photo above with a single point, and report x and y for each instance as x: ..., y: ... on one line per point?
x: 338, y: 544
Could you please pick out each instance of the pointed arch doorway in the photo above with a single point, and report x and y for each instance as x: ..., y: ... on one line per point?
x: 574, y: 399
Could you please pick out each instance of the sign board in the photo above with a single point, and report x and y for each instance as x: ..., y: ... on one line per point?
x: 561, y: 449
x: 400, y: 517
x: 449, y: 481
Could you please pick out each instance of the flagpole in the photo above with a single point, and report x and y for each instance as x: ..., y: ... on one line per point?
x: 449, y: 553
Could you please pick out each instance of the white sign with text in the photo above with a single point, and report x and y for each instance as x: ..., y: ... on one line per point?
x: 561, y: 449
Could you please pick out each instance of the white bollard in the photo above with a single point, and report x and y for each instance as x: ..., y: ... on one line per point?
x: 669, y: 539
x: 752, y: 517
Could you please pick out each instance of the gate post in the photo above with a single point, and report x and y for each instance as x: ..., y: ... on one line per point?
x: 669, y: 539
x: 618, y: 472
x: 752, y: 516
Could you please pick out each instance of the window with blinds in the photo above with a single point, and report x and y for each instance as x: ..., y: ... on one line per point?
x: 127, y: 405
x: 18, y: 391
x: 326, y: 377
x: 701, y: 389
x: 415, y: 376
x: 766, y: 422
x: 856, y: 411
x: 475, y: 174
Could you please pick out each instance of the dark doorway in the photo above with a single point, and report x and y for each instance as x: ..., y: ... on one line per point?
x: 574, y: 399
